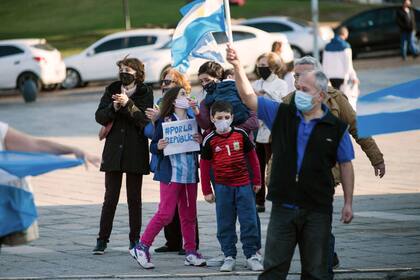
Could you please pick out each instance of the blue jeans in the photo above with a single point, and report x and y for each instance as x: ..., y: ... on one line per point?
x: 232, y: 202
x: 408, y: 38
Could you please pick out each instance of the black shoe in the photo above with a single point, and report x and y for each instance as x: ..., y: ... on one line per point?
x: 165, y: 249
x: 260, y: 208
x: 181, y: 252
x: 100, y: 247
x: 336, y: 261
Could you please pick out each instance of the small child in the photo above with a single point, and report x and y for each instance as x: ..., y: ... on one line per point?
x: 178, y: 176
x: 228, y: 152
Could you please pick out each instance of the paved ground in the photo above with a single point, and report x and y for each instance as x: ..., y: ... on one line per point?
x: 383, y: 241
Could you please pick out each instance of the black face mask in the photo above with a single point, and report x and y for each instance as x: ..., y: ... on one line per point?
x: 210, y: 87
x: 264, y: 72
x: 127, y: 78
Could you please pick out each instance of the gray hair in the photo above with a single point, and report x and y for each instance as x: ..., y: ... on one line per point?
x: 309, y: 60
x: 321, y: 80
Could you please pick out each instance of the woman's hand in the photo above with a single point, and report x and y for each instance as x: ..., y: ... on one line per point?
x: 162, y: 144
x: 198, y: 138
x: 121, y: 99
x: 153, y: 113
x: 194, y: 105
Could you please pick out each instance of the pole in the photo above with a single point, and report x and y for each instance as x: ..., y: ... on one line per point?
x: 315, y: 28
x: 126, y: 15
x: 228, y: 22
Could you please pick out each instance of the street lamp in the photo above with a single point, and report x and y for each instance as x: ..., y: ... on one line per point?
x: 314, y: 4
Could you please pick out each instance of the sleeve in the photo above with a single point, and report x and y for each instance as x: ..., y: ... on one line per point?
x: 248, y: 145
x: 205, y: 166
x: 255, y: 166
x: 278, y: 91
x: 206, y: 151
x: 350, y: 73
x: 251, y: 124
x: 149, y: 130
x: 105, y: 112
x: 136, y: 111
x: 203, y: 118
x: 155, y: 139
x: 267, y: 111
x: 345, y: 152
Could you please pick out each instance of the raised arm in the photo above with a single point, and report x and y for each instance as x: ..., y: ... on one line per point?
x: 246, y: 92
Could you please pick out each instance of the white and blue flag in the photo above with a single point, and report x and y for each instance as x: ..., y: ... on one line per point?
x: 390, y: 110
x: 193, y: 35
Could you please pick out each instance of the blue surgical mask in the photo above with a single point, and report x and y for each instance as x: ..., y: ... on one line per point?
x: 303, y: 101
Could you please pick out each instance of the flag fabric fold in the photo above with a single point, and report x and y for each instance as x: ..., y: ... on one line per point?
x: 192, y: 36
x: 390, y: 110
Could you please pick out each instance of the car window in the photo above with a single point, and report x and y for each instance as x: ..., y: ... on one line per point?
x: 45, y: 47
x: 300, y: 22
x: 139, y: 41
x: 271, y: 27
x: 9, y: 50
x: 220, y: 37
x: 386, y: 17
x: 111, y: 45
x: 241, y: 35
x: 363, y: 21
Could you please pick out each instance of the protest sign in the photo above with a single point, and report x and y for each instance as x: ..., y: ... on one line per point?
x: 179, y: 135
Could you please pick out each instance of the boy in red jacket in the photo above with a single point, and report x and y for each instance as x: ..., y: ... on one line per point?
x: 228, y: 153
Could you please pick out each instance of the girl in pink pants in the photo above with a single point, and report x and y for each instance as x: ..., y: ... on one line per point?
x: 178, y: 177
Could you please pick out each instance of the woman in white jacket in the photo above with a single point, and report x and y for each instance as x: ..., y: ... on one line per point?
x: 269, y: 68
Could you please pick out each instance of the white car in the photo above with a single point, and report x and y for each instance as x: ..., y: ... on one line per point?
x: 98, y: 61
x: 248, y: 41
x: 298, y: 32
x: 30, y: 59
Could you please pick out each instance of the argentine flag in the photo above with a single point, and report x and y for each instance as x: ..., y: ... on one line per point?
x: 192, y: 36
x: 17, y: 207
x: 389, y: 110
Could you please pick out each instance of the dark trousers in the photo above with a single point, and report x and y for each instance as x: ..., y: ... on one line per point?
x: 290, y: 227
x: 173, y: 233
x: 336, y: 83
x: 408, y: 39
x: 113, y: 182
x: 264, y: 155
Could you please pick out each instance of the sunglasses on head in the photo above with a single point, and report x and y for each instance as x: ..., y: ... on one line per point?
x: 166, y: 82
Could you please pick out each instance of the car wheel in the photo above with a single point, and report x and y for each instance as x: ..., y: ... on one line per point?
x: 28, y: 76
x: 297, y: 53
x: 72, y: 79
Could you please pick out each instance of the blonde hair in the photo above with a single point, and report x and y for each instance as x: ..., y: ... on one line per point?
x: 275, y: 63
x: 179, y: 79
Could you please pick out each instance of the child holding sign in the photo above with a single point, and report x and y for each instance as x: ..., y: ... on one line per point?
x: 227, y: 151
x: 178, y: 176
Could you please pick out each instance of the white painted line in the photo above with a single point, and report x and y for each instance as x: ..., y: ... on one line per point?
x: 24, y: 250
x: 388, y: 216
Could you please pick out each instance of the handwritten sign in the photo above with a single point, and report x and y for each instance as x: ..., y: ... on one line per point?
x: 179, y: 135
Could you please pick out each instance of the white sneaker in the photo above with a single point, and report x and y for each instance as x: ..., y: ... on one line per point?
x: 195, y: 259
x: 228, y: 264
x: 254, y: 263
x: 143, y: 258
x: 133, y: 252
x: 260, y: 257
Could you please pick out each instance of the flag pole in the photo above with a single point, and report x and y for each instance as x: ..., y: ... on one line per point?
x: 228, y: 22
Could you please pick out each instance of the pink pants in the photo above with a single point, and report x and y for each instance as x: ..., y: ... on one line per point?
x: 185, y: 195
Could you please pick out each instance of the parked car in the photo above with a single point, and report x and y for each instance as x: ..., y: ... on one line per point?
x: 97, y: 62
x: 375, y: 30
x: 30, y: 59
x: 299, y: 32
x: 248, y: 41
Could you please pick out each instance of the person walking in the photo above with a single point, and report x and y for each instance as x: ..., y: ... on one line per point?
x: 307, y: 133
x: 122, y: 112
x: 269, y: 66
x: 406, y: 21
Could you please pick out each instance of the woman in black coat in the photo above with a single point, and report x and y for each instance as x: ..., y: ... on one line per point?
x: 121, y: 112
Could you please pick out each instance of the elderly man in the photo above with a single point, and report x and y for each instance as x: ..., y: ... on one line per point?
x: 307, y: 141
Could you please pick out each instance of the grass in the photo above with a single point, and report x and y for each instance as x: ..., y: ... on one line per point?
x: 72, y: 25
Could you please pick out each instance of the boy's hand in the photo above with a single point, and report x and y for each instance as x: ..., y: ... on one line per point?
x: 162, y: 144
x: 210, y: 198
x: 198, y: 138
x: 257, y: 188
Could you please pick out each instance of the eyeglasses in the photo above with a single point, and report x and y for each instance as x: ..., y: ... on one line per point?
x: 166, y: 82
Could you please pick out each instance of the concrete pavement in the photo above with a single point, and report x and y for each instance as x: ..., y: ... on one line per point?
x: 382, y: 242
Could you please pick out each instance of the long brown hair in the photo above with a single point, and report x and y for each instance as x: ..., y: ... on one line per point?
x: 167, y: 104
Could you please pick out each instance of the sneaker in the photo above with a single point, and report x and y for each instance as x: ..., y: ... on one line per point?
x: 100, y: 247
x: 181, y: 252
x: 254, y: 263
x: 260, y: 208
x: 195, y: 259
x: 259, y: 256
x: 228, y: 264
x: 132, y: 249
x: 143, y: 257
x: 336, y: 261
x: 216, y: 261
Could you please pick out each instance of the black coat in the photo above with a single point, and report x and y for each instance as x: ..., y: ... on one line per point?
x: 126, y: 148
x: 405, y: 22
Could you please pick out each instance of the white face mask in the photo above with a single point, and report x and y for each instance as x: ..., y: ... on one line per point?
x: 181, y: 103
x: 222, y: 126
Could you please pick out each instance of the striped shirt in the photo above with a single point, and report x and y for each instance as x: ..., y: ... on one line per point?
x: 184, y: 168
